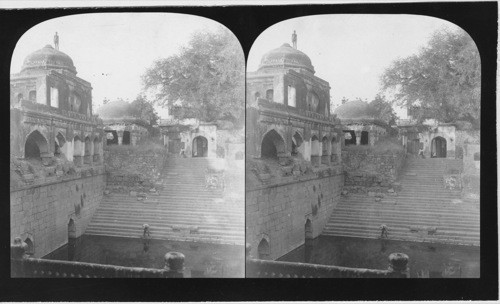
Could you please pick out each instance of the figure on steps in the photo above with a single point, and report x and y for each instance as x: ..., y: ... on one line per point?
x: 384, y: 231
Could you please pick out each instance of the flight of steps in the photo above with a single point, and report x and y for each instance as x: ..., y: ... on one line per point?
x: 183, y: 205
x: 422, y: 205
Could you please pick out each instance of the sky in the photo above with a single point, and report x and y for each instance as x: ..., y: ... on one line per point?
x: 350, y: 51
x: 113, y: 50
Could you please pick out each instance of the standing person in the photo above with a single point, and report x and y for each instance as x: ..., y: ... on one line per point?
x: 383, y: 231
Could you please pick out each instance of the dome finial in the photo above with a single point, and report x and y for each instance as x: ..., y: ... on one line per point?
x: 56, y: 41
x: 294, y: 39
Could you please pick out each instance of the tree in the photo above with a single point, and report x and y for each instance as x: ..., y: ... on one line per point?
x: 206, y: 79
x: 382, y: 109
x: 143, y: 109
x: 443, y: 79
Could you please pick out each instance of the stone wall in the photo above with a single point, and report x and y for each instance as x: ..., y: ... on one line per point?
x: 368, y: 171
x: 133, y: 170
x: 41, y: 211
x: 277, y: 209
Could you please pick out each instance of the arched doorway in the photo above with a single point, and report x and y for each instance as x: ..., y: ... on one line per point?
x: 272, y: 145
x: 35, y: 145
x: 263, y: 250
x: 438, y: 147
x: 350, y: 137
x: 126, y: 138
x: 308, y: 230
x: 71, y: 229
x: 364, y: 138
x: 200, y: 146
x: 30, y: 249
x: 297, y: 141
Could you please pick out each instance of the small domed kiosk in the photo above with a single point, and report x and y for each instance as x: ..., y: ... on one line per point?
x: 360, y: 127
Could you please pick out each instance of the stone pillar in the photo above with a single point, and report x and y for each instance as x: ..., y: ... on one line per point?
x: 399, y: 265
x: 372, y: 138
x: 174, y: 263
x: 358, y: 137
x: 133, y: 139
x: 120, y: 137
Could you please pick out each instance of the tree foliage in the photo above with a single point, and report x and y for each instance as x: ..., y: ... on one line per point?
x: 444, y: 79
x: 206, y: 79
x: 382, y: 109
x: 143, y: 109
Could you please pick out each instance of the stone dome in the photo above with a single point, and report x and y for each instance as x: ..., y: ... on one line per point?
x: 286, y: 57
x: 48, y: 58
x: 354, y: 109
x: 115, y: 109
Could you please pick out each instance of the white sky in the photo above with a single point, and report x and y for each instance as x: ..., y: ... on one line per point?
x: 350, y: 51
x: 113, y: 50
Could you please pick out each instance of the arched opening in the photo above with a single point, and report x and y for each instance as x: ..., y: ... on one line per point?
x: 36, y: 145
x: 270, y: 95
x: 71, y: 229
x: 111, y: 137
x: 200, y: 147
x: 19, y: 97
x: 325, y: 155
x: 315, y: 150
x: 438, y: 147
x: 308, y: 230
x: 96, y: 149
x: 364, y: 138
x: 350, y: 137
x: 297, y: 148
x: 273, y: 145
x: 334, y: 150
x: 263, y: 250
x: 30, y: 249
x: 257, y: 95
x: 59, y: 145
x: 126, y: 138
x: 32, y: 96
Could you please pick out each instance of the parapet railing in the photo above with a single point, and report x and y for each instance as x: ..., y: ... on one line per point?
x: 23, y: 266
x: 41, y: 108
x: 305, y: 113
x: 276, y: 269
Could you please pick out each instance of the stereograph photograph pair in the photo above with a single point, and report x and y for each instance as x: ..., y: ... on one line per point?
x: 326, y: 142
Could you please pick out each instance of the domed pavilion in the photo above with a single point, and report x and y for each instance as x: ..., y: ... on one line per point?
x: 51, y: 110
x: 361, y: 127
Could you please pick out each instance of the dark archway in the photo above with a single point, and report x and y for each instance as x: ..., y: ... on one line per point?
x: 257, y: 95
x: 272, y: 145
x: 438, y: 147
x: 111, y: 138
x: 71, y: 229
x: 30, y: 250
x: 126, y: 138
x: 296, y: 143
x: 364, y: 138
x: 350, y: 137
x: 32, y: 96
x: 308, y: 230
x: 263, y: 250
x: 35, y: 145
x: 270, y: 95
x: 200, y: 147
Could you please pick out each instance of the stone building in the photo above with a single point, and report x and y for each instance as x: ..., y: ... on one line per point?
x: 431, y: 138
x: 195, y: 140
x: 57, y: 175
x: 292, y: 153
x: 360, y: 127
x: 120, y: 127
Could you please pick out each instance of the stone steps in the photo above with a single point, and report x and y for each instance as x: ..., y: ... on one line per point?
x: 423, y: 204
x: 182, y: 202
